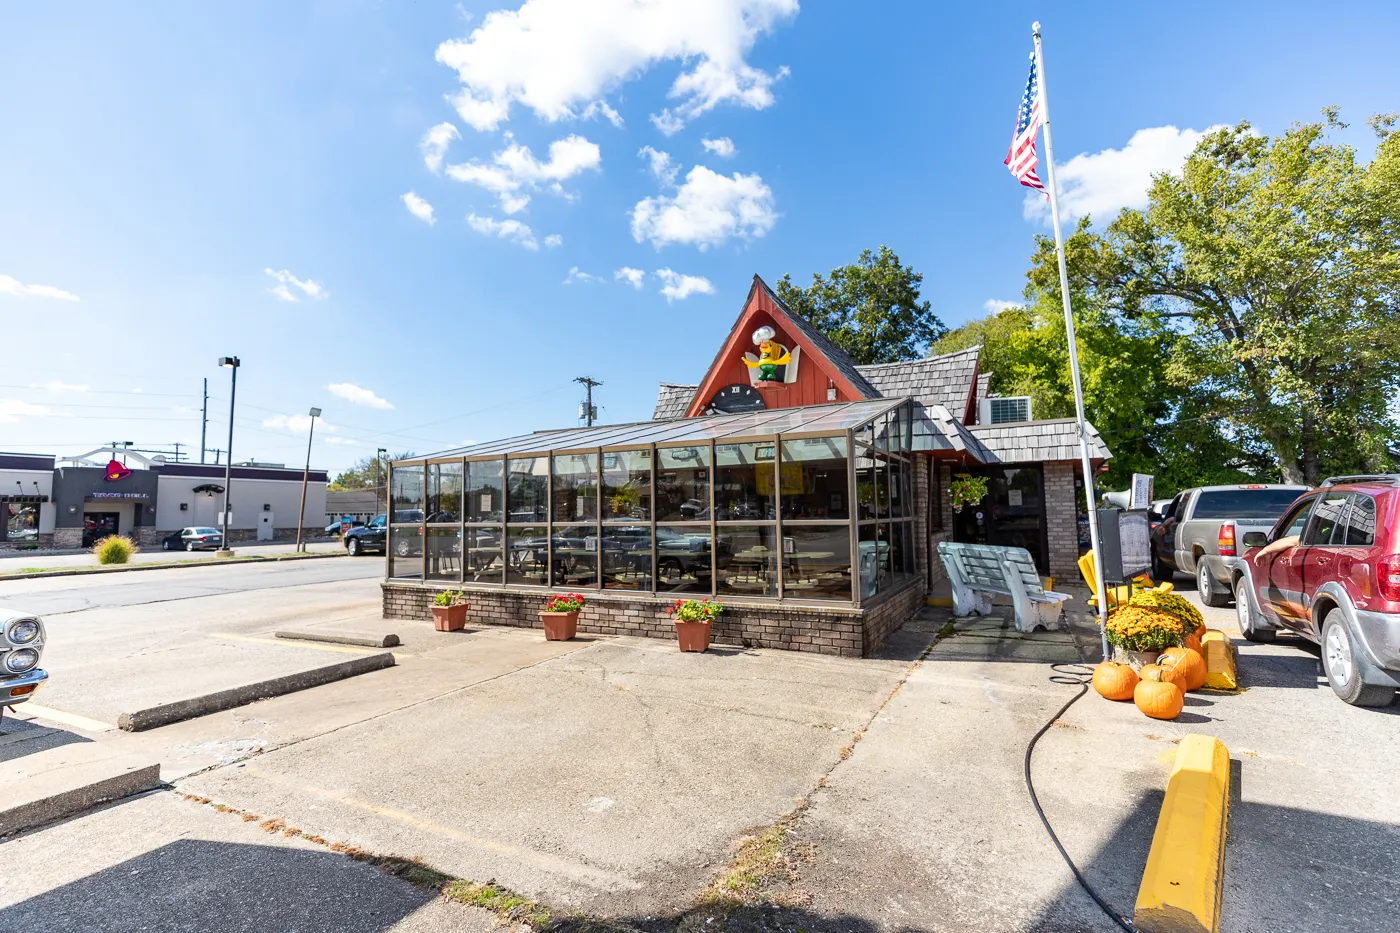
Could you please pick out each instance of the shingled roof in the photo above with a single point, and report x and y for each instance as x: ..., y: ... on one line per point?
x: 672, y: 401
x: 939, y: 380
x: 1034, y: 441
x: 837, y: 357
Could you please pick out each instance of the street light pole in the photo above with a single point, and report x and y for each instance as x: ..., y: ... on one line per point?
x: 379, y: 456
x: 232, y: 363
x: 305, y: 474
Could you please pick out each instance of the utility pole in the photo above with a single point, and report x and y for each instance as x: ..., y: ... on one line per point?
x: 177, y: 451
x: 589, y: 412
x: 204, y: 424
x: 306, y: 474
x: 217, y: 451
x: 380, y: 456
x: 231, y: 363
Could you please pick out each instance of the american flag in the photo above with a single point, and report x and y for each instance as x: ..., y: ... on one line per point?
x: 1021, y: 158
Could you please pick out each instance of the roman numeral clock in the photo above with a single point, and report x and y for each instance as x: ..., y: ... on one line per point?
x: 735, y: 399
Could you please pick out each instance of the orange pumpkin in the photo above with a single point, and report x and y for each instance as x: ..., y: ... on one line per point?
x: 1150, y: 672
x: 1158, y: 700
x: 1115, y: 681
x: 1201, y: 630
x: 1184, y: 667
x: 1193, y: 641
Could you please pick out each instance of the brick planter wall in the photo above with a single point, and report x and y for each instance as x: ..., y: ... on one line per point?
x: 834, y: 630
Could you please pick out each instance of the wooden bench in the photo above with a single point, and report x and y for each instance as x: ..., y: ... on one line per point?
x: 978, y: 570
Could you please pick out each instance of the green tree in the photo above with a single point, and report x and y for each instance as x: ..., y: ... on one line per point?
x: 365, y: 473
x: 871, y: 309
x: 1275, y: 263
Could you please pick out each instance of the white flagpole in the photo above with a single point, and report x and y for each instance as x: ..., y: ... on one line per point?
x: 1073, y: 348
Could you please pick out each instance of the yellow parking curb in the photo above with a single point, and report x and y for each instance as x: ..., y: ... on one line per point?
x: 1180, y: 891
x: 1220, y: 661
x: 943, y: 602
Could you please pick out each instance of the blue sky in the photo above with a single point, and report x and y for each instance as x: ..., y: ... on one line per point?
x: 172, y: 173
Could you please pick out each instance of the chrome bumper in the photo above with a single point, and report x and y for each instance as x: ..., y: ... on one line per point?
x: 8, y: 685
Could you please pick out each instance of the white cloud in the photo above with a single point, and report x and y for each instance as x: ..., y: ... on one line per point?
x: 600, y: 108
x: 553, y: 240
x: 583, y: 278
x: 555, y: 56
x: 56, y: 385
x: 514, y: 170
x: 12, y: 410
x: 507, y: 229
x: 677, y: 287
x: 434, y: 144
x: 419, y: 208
x: 667, y: 122
x: 660, y: 165
x: 358, y: 396
x: 633, y: 277
x: 996, y: 305
x: 9, y: 285
x: 706, y: 210
x: 1100, y: 184
x: 286, y: 282
x: 722, y: 147
x: 298, y: 424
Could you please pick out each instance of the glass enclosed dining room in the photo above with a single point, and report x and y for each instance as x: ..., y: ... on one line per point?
x: 800, y: 504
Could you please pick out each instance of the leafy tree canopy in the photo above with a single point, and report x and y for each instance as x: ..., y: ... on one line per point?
x: 365, y: 473
x: 871, y: 309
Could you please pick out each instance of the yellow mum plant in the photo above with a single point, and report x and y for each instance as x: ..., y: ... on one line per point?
x: 1144, y: 628
x: 1177, y: 605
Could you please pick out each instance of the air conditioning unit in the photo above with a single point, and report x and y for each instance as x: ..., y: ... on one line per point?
x: 998, y: 410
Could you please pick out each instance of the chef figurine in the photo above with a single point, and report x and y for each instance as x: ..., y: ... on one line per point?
x: 771, y: 355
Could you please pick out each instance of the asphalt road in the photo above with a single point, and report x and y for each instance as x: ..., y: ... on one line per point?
x: 12, y: 561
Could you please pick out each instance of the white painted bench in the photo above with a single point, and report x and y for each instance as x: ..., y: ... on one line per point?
x: 978, y: 570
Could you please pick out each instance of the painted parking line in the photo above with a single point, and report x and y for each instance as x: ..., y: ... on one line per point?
x: 284, y: 643
x: 62, y: 718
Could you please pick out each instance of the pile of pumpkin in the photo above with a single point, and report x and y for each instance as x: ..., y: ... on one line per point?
x: 1154, y: 622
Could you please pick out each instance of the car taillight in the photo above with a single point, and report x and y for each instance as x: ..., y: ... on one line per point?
x: 1225, y: 540
x: 1388, y: 577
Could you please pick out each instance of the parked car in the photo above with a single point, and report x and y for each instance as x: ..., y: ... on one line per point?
x: 371, y: 537
x: 1201, y: 528
x: 1329, y: 570
x: 333, y: 529
x: 21, y: 649
x: 193, y: 539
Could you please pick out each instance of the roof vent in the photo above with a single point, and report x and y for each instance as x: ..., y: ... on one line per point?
x: 1000, y: 410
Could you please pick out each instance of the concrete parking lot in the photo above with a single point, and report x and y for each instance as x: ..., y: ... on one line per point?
x: 617, y: 777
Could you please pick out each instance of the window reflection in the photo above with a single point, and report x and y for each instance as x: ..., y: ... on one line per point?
x: 527, y: 555
x: 485, y: 561
x: 744, y: 481
x: 683, y: 558
x: 683, y: 484
x: 817, y: 561
x: 527, y: 481
x: 627, y: 485
x: 444, y: 554
x: 753, y: 562
x: 627, y: 557
x: 575, y: 487
x: 575, y: 548
x: 484, y: 491
x: 444, y: 492
x: 815, y: 478
x: 408, y: 488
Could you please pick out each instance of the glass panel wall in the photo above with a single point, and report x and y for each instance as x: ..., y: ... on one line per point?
x: 444, y: 492
x: 744, y: 481
x: 885, y: 555
x: 444, y: 553
x: 407, y: 493
x: 753, y: 562
x: 575, y: 488
x: 683, y: 484
x: 527, y: 488
x: 485, y: 491
x: 683, y: 558
x: 815, y: 479
x: 627, y: 485
x: 527, y: 555
x: 575, y: 555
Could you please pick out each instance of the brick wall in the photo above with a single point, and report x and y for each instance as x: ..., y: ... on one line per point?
x: 945, y: 507
x: 1061, y: 523
x: 838, y: 630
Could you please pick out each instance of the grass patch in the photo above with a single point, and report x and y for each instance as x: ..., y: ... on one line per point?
x: 947, y: 630
x: 504, y: 903
x: 762, y: 859
x: 31, y: 570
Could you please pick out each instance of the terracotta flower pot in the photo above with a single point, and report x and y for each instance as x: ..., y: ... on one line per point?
x: 559, y: 626
x: 693, y: 636
x: 450, y: 618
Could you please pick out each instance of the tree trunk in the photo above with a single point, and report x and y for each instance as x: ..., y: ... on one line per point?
x: 1308, y: 441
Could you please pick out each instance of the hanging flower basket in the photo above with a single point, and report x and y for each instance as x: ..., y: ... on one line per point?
x: 966, y: 490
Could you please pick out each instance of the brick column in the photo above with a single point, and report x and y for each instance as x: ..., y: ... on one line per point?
x: 921, y: 467
x: 1061, y: 520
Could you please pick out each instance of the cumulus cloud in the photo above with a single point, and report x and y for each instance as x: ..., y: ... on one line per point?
x: 514, y: 171
x: 434, y: 145
x: 577, y: 275
x: 57, y: 385
x: 508, y: 229
x: 659, y: 163
x: 298, y: 424
x: 553, y: 240
x: 557, y: 56
x: 996, y: 305
x: 309, y: 288
x: 722, y: 147
x: 706, y: 210
x: 10, y: 285
x: 677, y: 287
x: 1100, y: 184
x: 419, y: 208
x: 12, y: 410
x: 356, y: 395
x: 600, y: 108
x: 633, y: 277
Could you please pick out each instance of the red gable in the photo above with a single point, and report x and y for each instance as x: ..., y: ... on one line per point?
x: 817, y: 372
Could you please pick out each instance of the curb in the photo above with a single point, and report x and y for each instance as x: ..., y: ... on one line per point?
x: 217, y: 562
x: 1181, y: 885
x: 78, y: 800
x: 1220, y: 661
x: 180, y: 710
x: 379, y: 641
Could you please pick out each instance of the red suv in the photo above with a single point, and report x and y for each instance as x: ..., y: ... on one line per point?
x: 1330, y: 571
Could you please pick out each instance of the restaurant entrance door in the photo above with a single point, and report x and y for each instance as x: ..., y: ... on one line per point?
x: 1012, y: 514
x: 99, y: 525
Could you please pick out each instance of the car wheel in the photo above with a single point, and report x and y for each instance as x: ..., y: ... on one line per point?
x: 165, y: 545
x: 403, y: 549
x: 1160, y: 571
x: 1205, y: 586
x: 352, y: 547
x: 189, y: 545
x: 1339, y: 664
x: 1244, y: 611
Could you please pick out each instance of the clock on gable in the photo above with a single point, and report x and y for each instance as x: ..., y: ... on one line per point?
x: 732, y: 400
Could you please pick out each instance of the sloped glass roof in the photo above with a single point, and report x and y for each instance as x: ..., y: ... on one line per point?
x: 809, y: 420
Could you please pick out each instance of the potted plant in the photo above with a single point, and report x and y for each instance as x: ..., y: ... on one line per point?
x: 1141, y: 633
x: 560, y: 616
x: 693, y: 618
x: 966, y: 489
x: 449, y: 610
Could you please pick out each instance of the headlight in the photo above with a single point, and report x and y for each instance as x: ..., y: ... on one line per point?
x: 21, y: 660
x: 23, y: 632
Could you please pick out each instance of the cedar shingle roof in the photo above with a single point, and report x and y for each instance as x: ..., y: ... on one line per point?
x: 939, y: 380
x: 672, y: 401
x: 984, y: 386
x: 1038, y: 441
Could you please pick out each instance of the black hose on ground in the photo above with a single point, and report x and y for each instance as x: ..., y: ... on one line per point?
x: 1073, y: 675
